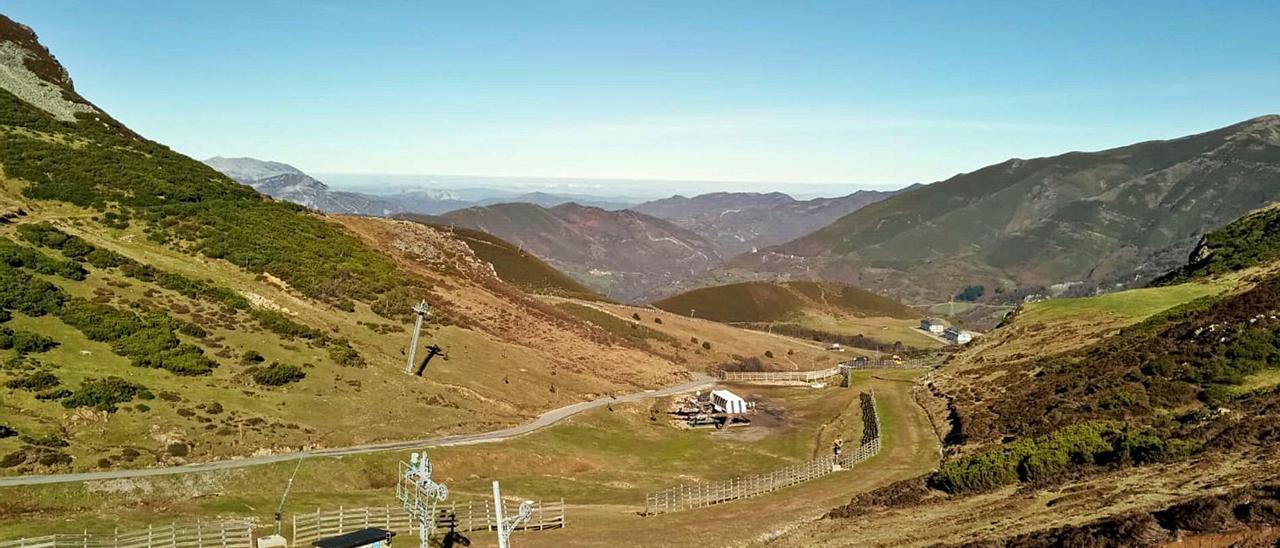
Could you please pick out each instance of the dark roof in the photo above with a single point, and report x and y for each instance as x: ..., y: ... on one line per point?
x: 354, y: 539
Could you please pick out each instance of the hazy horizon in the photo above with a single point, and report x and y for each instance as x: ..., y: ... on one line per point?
x: 644, y: 189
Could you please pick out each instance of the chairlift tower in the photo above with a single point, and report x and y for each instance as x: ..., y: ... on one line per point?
x: 419, y: 494
x: 423, y: 310
x: 508, y: 525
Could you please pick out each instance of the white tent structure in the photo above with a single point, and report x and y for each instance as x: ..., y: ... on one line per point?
x: 728, y: 402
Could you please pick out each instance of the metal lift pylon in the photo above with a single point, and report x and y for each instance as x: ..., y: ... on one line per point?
x: 423, y: 310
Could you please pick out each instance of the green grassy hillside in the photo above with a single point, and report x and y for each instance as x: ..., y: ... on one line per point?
x: 752, y: 302
x: 1134, y: 304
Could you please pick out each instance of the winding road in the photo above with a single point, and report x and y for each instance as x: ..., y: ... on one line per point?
x: 546, y: 419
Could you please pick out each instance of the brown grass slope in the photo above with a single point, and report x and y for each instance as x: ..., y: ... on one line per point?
x: 511, y: 263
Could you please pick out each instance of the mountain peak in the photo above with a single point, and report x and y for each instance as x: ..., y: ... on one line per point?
x: 38, y: 59
x: 32, y: 74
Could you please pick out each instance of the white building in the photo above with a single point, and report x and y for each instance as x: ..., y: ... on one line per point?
x: 933, y: 326
x: 958, y: 336
x: 728, y: 402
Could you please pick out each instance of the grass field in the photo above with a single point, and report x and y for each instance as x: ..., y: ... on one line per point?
x: 601, y: 462
x: 1131, y: 305
x: 910, y: 449
x: 1060, y: 325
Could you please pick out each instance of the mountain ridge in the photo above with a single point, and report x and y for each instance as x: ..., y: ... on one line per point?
x: 744, y: 221
x: 1095, y: 220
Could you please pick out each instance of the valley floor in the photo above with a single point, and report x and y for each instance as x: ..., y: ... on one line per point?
x: 601, y: 462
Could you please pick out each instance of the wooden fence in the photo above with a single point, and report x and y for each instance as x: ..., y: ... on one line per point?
x: 778, y: 376
x: 225, y: 534
x: 684, y: 497
x: 889, y: 363
x: 462, y: 516
x: 811, y: 376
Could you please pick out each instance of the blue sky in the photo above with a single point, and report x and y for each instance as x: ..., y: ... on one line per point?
x: 861, y: 93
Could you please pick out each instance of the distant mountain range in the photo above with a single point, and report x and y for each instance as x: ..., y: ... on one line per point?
x: 624, y: 254
x: 285, y: 182
x: 653, y: 249
x: 645, y: 252
x: 1084, y: 220
x: 739, y: 222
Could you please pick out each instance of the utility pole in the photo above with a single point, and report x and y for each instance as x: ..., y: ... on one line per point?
x: 423, y: 310
x: 505, y: 527
x: 419, y: 494
x: 279, y: 515
x: 497, y: 512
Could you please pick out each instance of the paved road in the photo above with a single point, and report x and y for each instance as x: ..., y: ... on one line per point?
x: 547, y: 419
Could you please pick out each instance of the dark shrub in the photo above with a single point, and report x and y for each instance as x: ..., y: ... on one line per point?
x: 278, y: 374
x: 344, y: 355
x: 53, y: 394
x: 34, y: 382
x: 103, y: 394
